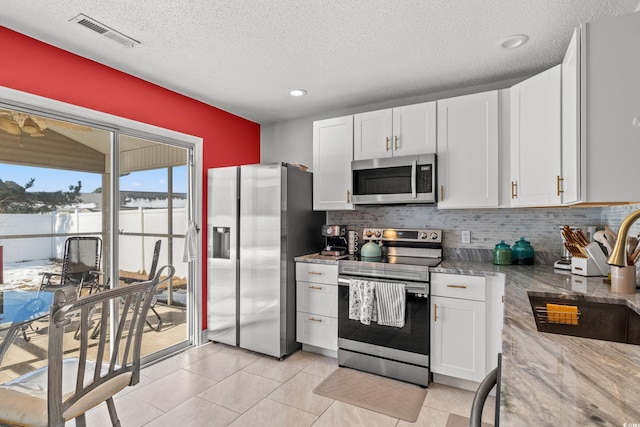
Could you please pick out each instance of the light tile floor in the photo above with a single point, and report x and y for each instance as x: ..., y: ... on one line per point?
x: 219, y: 385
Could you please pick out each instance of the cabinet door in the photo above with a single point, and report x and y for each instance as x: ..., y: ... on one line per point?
x: 317, y: 298
x: 535, y: 140
x: 317, y: 273
x: 610, y: 120
x: 570, y: 122
x: 316, y: 330
x: 372, y: 135
x: 468, y: 151
x: 458, y: 338
x: 332, y: 155
x: 414, y: 129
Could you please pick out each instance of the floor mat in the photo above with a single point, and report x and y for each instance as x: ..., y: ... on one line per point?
x: 384, y: 395
x: 460, y: 421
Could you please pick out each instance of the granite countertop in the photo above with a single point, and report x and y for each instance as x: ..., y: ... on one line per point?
x: 320, y: 259
x: 557, y: 380
x: 551, y: 379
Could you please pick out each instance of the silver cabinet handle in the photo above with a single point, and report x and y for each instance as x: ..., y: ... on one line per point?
x: 457, y: 286
x: 317, y: 288
x: 313, y: 319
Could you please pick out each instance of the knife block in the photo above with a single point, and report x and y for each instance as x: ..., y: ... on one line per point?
x: 584, y: 267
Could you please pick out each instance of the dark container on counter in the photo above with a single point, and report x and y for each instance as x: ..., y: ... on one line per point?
x: 522, y: 252
x: 502, y: 254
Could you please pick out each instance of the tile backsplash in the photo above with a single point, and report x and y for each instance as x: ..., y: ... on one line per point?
x: 540, y: 226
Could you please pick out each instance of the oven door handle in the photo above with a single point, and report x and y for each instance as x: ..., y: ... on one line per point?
x: 414, y: 166
x: 412, y: 289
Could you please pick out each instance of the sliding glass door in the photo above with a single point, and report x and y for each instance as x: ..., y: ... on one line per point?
x: 152, y: 221
x: 63, y: 177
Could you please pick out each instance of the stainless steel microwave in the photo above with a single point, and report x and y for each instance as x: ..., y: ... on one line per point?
x: 394, y: 180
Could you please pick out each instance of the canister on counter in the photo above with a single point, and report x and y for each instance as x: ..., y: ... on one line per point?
x: 502, y: 254
x: 522, y: 252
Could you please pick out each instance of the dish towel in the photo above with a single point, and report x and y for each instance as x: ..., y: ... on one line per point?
x: 362, y: 304
x: 190, y: 252
x: 391, y: 300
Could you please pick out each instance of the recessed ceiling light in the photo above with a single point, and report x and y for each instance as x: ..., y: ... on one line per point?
x: 514, y: 41
x: 298, y: 92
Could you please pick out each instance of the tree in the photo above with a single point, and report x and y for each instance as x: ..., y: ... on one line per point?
x: 15, y: 198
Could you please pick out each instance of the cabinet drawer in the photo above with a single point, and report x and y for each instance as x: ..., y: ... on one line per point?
x: 319, y: 331
x: 317, y: 298
x: 458, y: 286
x: 317, y: 273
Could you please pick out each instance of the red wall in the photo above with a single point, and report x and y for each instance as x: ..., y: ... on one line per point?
x: 31, y: 66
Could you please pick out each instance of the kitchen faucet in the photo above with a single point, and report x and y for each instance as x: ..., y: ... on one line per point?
x: 619, y: 254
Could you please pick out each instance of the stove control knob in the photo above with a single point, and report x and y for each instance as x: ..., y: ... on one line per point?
x: 433, y: 235
x: 368, y: 233
x: 378, y: 233
x: 423, y: 235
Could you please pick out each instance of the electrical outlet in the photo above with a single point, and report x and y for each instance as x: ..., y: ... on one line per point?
x: 466, y: 236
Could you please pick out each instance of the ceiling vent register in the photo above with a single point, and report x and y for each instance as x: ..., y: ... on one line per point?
x: 104, y: 30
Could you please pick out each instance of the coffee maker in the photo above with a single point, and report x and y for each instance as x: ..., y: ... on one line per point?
x: 335, y: 238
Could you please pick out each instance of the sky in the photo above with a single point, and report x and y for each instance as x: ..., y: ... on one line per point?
x: 59, y: 180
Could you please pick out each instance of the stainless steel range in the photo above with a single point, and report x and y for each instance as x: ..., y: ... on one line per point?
x: 400, y: 352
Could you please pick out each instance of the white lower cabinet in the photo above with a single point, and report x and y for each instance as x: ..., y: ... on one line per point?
x: 317, y: 305
x: 316, y: 330
x: 466, y: 324
x: 458, y: 338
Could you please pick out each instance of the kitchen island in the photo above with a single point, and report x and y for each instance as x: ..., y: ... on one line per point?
x: 557, y: 380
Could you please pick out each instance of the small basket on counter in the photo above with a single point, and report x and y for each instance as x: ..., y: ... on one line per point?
x: 557, y: 313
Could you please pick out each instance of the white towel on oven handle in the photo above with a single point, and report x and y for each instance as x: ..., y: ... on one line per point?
x: 362, y: 301
x: 391, y: 300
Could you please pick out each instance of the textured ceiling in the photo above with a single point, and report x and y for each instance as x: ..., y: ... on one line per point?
x: 245, y: 55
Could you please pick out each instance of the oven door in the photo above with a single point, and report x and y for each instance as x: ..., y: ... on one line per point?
x: 409, y: 342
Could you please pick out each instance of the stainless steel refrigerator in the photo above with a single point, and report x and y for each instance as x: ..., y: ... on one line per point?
x: 259, y: 218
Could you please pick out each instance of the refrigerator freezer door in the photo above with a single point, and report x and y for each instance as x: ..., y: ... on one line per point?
x: 222, y: 256
x: 261, y: 205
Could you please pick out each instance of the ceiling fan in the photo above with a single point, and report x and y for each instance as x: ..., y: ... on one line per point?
x: 14, y: 123
x: 17, y: 123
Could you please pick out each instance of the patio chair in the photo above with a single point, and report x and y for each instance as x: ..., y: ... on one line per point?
x: 80, y: 265
x: 154, y: 264
x: 72, y: 383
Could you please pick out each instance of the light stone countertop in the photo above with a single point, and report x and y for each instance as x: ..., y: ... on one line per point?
x: 551, y: 379
x: 320, y: 259
x: 558, y: 380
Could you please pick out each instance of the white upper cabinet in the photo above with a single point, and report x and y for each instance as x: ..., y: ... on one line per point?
x: 571, y: 122
x: 468, y: 166
x: 332, y: 156
x: 536, y: 175
x: 398, y: 131
x: 610, y: 109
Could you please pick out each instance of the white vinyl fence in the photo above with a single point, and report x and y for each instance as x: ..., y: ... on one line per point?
x: 135, y: 252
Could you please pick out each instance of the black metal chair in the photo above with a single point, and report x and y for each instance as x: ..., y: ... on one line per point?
x: 80, y: 265
x: 78, y: 379
x: 152, y: 272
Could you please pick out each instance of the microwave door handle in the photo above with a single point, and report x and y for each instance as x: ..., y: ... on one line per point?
x: 414, y: 165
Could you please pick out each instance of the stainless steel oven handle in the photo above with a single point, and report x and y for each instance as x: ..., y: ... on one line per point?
x: 412, y: 289
x: 414, y: 166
